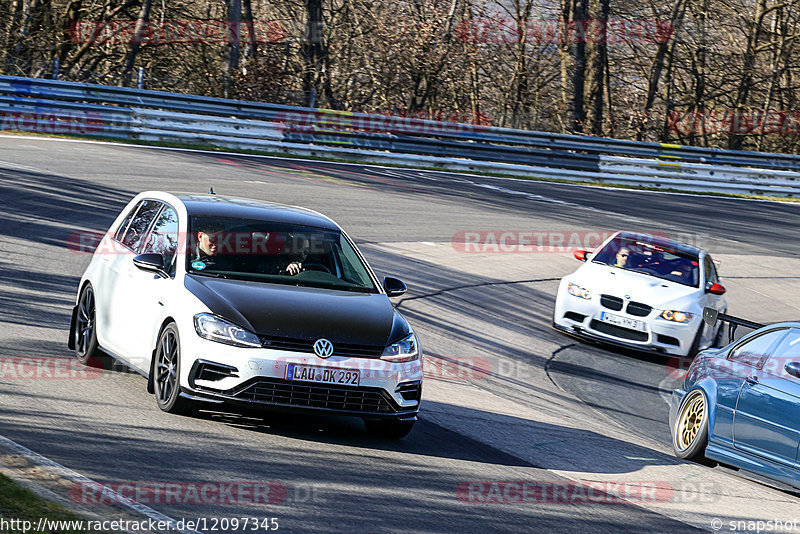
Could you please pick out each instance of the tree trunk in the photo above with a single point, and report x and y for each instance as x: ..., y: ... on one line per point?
x: 234, y: 44
x: 251, y: 30
x: 578, y: 49
x: 11, y: 32
x: 595, y: 72
x: 135, y: 44
x: 313, y: 50
x: 69, y: 22
x: 676, y: 17
x: 736, y: 140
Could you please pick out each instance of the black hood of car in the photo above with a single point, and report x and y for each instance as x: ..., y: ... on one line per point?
x: 297, y: 312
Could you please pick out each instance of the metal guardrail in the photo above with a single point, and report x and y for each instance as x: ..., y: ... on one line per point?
x: 107, y: 111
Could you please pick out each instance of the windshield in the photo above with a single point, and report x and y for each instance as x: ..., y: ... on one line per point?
x: 651, y: 259
x: 264, y: 251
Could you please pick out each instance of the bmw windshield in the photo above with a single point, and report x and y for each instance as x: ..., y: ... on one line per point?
x: 651, y: 259
x: 265, y: 251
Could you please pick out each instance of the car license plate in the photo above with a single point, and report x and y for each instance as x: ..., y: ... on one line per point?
x: 322, y: 375
x: 624, y: 322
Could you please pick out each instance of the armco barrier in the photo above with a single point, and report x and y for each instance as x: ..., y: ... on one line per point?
x: 65, y: 107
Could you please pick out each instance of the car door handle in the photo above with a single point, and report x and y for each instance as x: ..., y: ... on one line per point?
x: 753, y: 380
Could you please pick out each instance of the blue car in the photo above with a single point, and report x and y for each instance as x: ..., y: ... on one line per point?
x: 740, y: 404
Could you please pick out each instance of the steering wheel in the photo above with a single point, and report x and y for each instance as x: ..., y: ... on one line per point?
x: 315, y: 267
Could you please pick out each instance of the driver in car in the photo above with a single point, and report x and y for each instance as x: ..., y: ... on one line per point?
x: 207, y: 248
x: 297, y: 250
x: 622, y: 257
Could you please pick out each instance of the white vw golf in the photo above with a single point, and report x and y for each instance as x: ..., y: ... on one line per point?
x: 228, y: 301
x: 642, y: 292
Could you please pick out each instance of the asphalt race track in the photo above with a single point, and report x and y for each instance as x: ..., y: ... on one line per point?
x: 507, y: 398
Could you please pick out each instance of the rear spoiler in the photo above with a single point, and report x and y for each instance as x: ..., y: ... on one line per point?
x: 712, y: 317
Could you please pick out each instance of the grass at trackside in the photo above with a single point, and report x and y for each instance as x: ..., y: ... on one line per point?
x: 213, y: 148
x: 18, y: 503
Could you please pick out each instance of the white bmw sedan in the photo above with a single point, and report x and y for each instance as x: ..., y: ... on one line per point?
x: 642, y: 292
x: 228, y: 301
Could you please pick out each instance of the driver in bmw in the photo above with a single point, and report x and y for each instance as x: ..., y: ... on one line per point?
x: 622, y: 257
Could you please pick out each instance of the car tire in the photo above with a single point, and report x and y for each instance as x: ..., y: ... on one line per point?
x: 388, y: 429
x: 166, y: 380
x: 690, y: 434
x: 87, y: 349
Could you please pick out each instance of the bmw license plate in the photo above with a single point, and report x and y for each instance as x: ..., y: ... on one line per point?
x: 624, y: 322
x: 322, y: 375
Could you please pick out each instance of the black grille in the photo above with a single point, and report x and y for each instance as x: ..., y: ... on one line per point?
x: 304, y: 345
x: 287, y: 393
x: 668, y: 340
x: 611, y: 302
x: 618, y: 331
x: 574, y: 316
x: 639, y: 309
x: 410, y: 391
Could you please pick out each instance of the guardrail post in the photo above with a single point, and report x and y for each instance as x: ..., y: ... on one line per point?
x: 140, y: 78
x: 56, y: 66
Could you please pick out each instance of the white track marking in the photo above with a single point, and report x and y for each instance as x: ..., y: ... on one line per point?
x: 74, y: 476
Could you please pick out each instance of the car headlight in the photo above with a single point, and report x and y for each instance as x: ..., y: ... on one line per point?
x: 405, y: 350
x: 215, y: 329
x: 578, y: 291
x: 676, y: 316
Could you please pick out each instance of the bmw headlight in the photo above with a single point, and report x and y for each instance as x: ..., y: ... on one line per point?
x: 676, y: 316
x: 405, y: 350
x: 578, y: 291
x: 215, y: 329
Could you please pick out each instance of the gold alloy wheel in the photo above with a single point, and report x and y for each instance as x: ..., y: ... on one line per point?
x: 690, y: 420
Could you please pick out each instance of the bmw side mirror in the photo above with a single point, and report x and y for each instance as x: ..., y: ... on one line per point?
x: 716, y: 289
x: 581, y: 255
x: 153, y: 263
x: 793, y: 368
x: 394, y: 287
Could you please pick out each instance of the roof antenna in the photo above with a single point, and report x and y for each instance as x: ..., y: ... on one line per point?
x: 211, y: 191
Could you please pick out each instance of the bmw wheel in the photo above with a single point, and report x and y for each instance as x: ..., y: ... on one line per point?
x: 690, y: 435
x: 85, y: 334
x: 167, y: 372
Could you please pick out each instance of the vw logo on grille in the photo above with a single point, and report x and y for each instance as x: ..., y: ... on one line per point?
x: 323, y: 348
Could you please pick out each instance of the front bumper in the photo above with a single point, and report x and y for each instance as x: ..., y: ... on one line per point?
x: 582, y: 318
x: 256, y: 378
x: 302, y: 397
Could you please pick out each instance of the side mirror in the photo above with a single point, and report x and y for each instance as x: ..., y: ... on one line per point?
x: 716, y: 289
x: 153, y: 263
x: 581, y: 255
x: 793, y: 368
x: 394, y: 287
